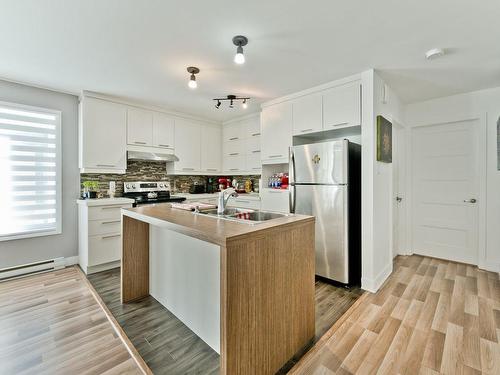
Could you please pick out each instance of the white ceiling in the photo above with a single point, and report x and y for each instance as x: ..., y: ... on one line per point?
x: 140, y: 49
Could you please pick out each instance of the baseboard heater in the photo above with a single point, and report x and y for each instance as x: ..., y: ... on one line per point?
x: 31, y: 268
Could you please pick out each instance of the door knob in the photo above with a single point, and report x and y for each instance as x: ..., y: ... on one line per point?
x: 399, y: 199
x: 472, y: 200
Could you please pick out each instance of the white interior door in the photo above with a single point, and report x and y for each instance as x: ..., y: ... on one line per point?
x: 398, y: 190
x: 445, y: 187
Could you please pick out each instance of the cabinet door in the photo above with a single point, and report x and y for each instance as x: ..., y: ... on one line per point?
x: 307, y: 114
x: 234, y: 164
x: 187, y: 146
x: 232, y: 132
x: 276, y: 133
x: 275, y: 200
x: 103, y: 135
x: 163, y: 130
x: 251, y: 127
x: 139, y: 127
x: 342, y: 107
x: 253, y: 163
x: 211, y: 153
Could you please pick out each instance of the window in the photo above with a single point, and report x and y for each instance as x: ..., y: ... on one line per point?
x: 30, y: 171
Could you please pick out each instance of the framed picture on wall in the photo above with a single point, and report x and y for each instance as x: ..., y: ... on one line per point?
x: 384, y: 140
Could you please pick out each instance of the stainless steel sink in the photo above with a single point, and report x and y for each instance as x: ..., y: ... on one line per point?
x: 243, y: 215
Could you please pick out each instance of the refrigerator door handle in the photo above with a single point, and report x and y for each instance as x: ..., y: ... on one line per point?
x: 291, y: 173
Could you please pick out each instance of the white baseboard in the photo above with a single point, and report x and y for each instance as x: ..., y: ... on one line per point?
x: 373, y: 285
x: 69, y: 261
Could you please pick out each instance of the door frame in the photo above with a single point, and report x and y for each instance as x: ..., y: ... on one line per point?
x: 481, y: 165
x: 399, y: 169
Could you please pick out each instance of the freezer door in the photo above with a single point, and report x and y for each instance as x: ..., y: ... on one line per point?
x: 329, y: 205
x: 320, y: 163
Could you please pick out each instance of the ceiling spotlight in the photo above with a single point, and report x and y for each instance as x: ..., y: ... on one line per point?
x: 434, y: 53
x: 231, y: 99
x: 240, y: 41
x: 192, y: 80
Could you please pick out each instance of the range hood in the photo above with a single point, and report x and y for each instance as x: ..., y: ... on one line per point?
x: 151, y: 155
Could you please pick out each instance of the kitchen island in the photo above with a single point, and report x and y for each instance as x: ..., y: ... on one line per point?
x: 246, y: 290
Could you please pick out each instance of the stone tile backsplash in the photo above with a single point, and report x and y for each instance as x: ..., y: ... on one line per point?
x: 141, y: 170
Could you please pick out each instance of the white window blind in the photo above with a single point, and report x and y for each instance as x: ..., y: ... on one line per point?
x: 30, y: 171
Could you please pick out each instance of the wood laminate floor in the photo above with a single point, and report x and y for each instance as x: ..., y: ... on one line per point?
x: 430, y: 317
x: 169, y: 347
x: 51, y: 323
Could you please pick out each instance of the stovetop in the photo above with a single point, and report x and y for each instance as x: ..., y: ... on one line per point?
x: 149, y: 198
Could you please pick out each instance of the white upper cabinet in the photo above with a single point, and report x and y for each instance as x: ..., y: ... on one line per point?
x: 232, y: 132
x: 211, y: 141
x: 251, y: 127
x: 342, y: 106
x: 163, y: 130
x: 102, y: 136
x: 307, y: 114
x: 187, y: 146
x: 276, y: 133
x: 139, y: 127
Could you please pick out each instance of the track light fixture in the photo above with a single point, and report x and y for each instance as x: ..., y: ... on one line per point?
x: 232, y: 99
x: 240, y: 41
x: 192, y: 80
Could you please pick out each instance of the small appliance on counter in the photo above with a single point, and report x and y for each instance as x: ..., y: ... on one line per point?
x: 224, y: 183
x: 197, y: 188
x: 149, y: 192
x: 212, y: 185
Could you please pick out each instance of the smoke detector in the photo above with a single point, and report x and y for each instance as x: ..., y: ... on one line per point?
x: 434, y: 53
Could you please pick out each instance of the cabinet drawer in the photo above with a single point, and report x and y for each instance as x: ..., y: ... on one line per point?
x: 107, y: 212
x: 104, y: 249
x: 275, y: 200
x: 107, y: 226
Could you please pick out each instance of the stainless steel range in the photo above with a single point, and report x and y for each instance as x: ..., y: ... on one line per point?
x: 147, y: 192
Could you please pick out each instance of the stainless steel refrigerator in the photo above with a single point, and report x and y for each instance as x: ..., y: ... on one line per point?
x: 325, y: 182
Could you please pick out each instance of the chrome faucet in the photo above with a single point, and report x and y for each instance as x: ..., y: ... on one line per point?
x: 222, y: 200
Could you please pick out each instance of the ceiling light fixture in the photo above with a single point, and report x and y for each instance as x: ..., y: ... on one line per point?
x: 192, y: 80
x: 231, y: 99
x: 434, y: 53
x: 240, y: 41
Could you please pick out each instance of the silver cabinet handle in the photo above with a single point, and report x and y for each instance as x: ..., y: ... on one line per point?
x: 257, y: 168
x: 255, y: 134
x: 188, y: 169
x: 306, y: 130
x: 111, y: 222
x: 233, y: 139
x: 339, y: 124
x: 275, y: 156
x: 234, y: 169
x: 472, y: 200
x: 161, y: 145
x: 106, y: 165
x: 255, y: 151
x: 139, y: 143
x: 111, y: 236
x: 212, y: 169
x: 234, y: 154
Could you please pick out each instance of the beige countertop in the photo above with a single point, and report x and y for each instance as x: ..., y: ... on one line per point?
x: 209, y: 229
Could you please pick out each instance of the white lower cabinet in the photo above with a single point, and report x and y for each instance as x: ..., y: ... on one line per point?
x: 275, y: 200
x: 99, y: 233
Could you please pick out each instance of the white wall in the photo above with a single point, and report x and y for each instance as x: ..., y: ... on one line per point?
x: 29, y: 250
x: 376, y: 184
x: 479, y: 104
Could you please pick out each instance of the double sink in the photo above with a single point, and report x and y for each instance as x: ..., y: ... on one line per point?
x: 243, y: 215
